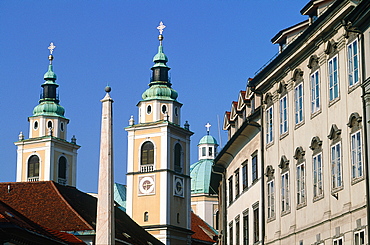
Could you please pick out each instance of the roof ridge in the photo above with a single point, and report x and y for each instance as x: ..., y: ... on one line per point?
x: 71, y: 208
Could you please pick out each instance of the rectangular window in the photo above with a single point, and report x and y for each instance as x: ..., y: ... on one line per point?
x: 353, y: 63
x: 283, y: 115
x: 231, y: 238
x: 210, y: 151
x: 203, y: 151
x: 230, y: 189
x: 317, y: 175
x: 301, y: 195
x: 356, y: 155
x: 237, y: 232
x: 333, y: 78
x: 270, y: 199
x: 298, y: 102
x: 246, y: 229
x: 338, y: 241
x: 256, y: 226
x: 285, y: 202
x: 254, y: 168
x: 336, y: 166
x: 315, y: 91
x: 245, y: 176
x: 360, y: 237
x: 269, y: 125
x: 236, y: 183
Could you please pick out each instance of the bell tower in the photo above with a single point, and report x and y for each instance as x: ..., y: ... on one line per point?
x: 46, y: 154
x: 158, y: 171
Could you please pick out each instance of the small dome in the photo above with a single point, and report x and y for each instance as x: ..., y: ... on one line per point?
x: 200, y: 173
x: 48, y: 108
x: 50, y: 74
x: 160, y: 56
x: 160, y: 91
x: 208, y: 139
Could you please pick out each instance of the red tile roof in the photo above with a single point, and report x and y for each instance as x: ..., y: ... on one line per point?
x: 64, y: 208
x: 203, y: 233
x: 14, y: 225
x: 56, y: 213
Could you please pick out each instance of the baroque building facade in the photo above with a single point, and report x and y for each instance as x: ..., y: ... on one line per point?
x: 313, y: 126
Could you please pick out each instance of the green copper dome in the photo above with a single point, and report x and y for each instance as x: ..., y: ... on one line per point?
x: 48, y: 108
x: 208, y: 139
x: 200, y: 173
x: 160, y: 59
x: 161, y: 92
x: 50, y: 74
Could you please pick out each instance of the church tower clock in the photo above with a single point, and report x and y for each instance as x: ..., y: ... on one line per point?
x: 46, y: 154
x: 158, y: 172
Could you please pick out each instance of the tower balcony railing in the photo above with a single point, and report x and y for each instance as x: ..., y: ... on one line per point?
x: 32, y: 179
x: 146, y: 168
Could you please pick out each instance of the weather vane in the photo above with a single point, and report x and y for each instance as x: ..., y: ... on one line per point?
x: 51, y: 47
x: 161, y: 28
x: 208, y: 126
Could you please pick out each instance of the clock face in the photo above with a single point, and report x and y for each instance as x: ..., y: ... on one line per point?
x: 146, y: 185
x: 179, y: 186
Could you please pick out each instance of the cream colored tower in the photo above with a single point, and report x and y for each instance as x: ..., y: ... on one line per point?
x: 47, y: 155
x: 158, y: 181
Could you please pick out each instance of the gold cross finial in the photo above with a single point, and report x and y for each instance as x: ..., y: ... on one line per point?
x: 51, y: 47
x: 161, y: 27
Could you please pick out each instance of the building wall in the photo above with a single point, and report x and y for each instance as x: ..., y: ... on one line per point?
x: 340, y: 210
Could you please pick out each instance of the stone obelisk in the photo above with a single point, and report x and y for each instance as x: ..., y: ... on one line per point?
x: 105, y: 231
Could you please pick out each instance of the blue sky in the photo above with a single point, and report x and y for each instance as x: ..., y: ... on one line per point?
x: 212, y: 47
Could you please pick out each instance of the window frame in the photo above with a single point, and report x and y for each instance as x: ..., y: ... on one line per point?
x: 315, y: 91
x: 246, y: 228
x: 231, y: 196
x: 336, y: 166
x: 352, y: 60
x: 269, y: 125
x: 333, y: 78
x: 301, y: 184
x: 237, y: 184
x: 245, y: 176
x: 254, y: 167
x: 285, y: 193
x: 256, y: 224
x: 38, y: 164
x: 336, y: 241
x: 357, y: 164
x: 317, y: 174
x: 271, y: 199
x: 283, y: 115
x: 298, y: 107
x: 358, y: 233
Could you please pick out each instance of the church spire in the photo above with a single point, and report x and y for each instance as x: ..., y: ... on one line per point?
x: 160, y: 68
x: 49, y: 99
x: 160, y: 85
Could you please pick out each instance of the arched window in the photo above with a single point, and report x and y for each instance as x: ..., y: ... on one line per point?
x: 178, y: 151
x: 62, y: 170
x: 147, y: 153
x: 146, y: 217
x: 33, y: 168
